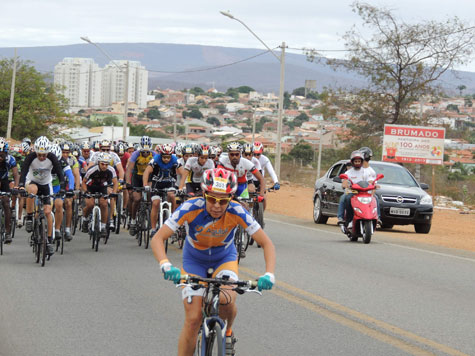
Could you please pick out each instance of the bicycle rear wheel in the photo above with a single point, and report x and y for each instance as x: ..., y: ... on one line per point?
x: 146, y: 232
x: 2, y: 230
x: 118, y: 214
x: 214, y: 342
x: 75, y: 220
x: 43, y: 240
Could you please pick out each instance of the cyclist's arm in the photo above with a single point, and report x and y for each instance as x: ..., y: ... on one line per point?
x: 269, y: 250
x: 260, y: 178
x: 158, y: 246
x: 115, y: 186
x: 120, y: 170
x: 25, y: 168
x: 128, y: 174
x: 16, y: 176
x: 271, y: 172
x: 146, y: 174
x: 77, y: 178
x: 183, y: 178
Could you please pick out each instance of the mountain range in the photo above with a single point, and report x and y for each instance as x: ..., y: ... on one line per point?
x: 179, y: 66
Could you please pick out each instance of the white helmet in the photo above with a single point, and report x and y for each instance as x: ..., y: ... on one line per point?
x: 42, y: 145
x: 104, y: 157
x: 56, y: 150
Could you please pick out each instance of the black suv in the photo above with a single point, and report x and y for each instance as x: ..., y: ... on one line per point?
x: 402, y: 200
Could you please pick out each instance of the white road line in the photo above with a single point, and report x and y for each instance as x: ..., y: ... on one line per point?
x: 385, y: 243
x: 431, y: 252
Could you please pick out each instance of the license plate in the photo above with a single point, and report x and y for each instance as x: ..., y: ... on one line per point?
x: 400, y: 211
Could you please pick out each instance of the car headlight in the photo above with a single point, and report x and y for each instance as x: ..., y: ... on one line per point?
x: 365, y: 200
x: 426, y: 200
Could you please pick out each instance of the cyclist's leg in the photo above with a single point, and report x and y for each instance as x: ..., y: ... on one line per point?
x: 228, y: 267
x: 103, y: 206
x: 5, y: 187
x: 31, y: 188
x: 58, y: 215
x: 47, y: 189
x: 68, y: 207
x: 154, y: 211
x: 172, y: 199
x: 136, y: 183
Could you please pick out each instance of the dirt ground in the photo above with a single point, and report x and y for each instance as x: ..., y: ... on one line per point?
x: 449, y: 228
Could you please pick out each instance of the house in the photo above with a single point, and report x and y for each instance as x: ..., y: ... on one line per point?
x: 233, y: 107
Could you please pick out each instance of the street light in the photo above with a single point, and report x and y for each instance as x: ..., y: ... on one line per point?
x: 281, y: 60
x: 126, y: 88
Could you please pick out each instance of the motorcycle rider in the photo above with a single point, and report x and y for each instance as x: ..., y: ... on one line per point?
x: 355, y: 174
x: 371, y: 174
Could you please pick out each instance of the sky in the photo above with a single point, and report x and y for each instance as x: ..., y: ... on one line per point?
x: 300, y: 23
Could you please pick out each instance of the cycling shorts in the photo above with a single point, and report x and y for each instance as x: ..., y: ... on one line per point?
x: 137, y: 181
x: 4, y: 185
x: 161, y: 185
x: 96, y: 189
x: 43, y: 189
x: 242, y: 191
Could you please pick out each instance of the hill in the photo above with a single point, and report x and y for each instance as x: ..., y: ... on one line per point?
x: 179, y: 66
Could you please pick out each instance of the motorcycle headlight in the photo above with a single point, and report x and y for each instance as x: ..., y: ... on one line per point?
x: 426, y: 200
x: 365, y: 200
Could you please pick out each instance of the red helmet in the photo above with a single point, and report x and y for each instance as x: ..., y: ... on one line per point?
x: 257, y: 147
x: 219, y: 180
x: 166, y: 149
x: 203, y: 150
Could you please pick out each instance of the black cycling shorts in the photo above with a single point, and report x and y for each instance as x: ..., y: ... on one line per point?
x: 44, y: 189
x: 137, y: 181
x: 96, y: 189
x: 4, y: 185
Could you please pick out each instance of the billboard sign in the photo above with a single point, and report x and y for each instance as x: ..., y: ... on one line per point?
x: 413, y: 144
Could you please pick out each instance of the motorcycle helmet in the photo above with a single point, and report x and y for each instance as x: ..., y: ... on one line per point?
x: 355, y: 155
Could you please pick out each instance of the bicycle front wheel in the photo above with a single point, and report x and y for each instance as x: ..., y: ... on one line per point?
x: 215, y: 342
x: 43, y: 240
x: 118, y: 214
x: 2, y: 230
x: 97, y: 232
x: 75, y: 216
x: 146, y: 233
x: 238, y: 242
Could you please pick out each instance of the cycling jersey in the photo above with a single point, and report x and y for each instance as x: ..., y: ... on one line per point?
x: 257, y: 164
x: 39, y: 172
x: 124, y: 159
x: 6, y: 166
x: 163, y: 172
x: 267, y: 165
x: 72, y: 161
x: 240, y: 170
x: 95, y: 177
x: 209, y: 239
x: 82, y: 165
x: 115, y: 160
x: 196, y: 169
x: 68, y: 173
x: 141, y: 161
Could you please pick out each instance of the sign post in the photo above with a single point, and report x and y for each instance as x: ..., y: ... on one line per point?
x: 414, y: 144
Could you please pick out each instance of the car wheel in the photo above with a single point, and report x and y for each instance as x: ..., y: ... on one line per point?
x: 387, y: 226
x: 422, y: 228
x: 318, y: 217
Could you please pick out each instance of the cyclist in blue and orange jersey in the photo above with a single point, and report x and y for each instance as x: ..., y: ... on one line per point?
x: 161, y: 173
x: 134, y: 175
x: 97, y: 180
x: 7, y: 164
x: 194, y: 168
x: 60, y: 202
x: 212, y: 221
x: 36, y: 172
x: 240, y: 166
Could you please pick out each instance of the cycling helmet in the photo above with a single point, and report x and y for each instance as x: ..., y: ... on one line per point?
x: 146, y: 143
x: 136, y: 146
x: 258, y: 147
x: 234, y: 146
x: 120, y: 148
x: 212, y: 151
x: 42, y: 145
x: 166, y: 149
x: 97, y: 146
x: 355, y: 155
x: 188, y: 150
x: 104, y: 157
x: 58, y: 141
x: 219, y: 180
x: 76, y: 152
x: 56, y: 150
x: 105, y: 143
x: 25, y: 147
x: 247, y: 148
x: 178, y: 150
x: 130, y: 145
x: 65, y: 146
x: 3, y: 145
x: 367, y: 153
x: 219, y: 150
x: 85, y: 146
x: 203, y: 150
x: 27, y: 140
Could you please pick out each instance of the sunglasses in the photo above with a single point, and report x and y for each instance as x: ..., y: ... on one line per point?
x: 234, y: 154
x: 166, y: 157
x: 105, y: 149
x: 41, y: 155
x: 145, y: 153
x: 247, y: 154
x: 257, y: 154
x: 221, y: 201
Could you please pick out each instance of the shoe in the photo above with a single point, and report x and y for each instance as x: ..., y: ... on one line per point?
x: 19, y: 224
x: 67, y: 235
x: 50, y: 247
x: 350, y: 225
x: 111, y: 226
x: 8, y: 238
x: 243, y: 253
x: 57, y: 234
x: 85, y: 226
x: 29, y: 224
x: 341, y: 222
x: 104, y: 233
x: 230, y: 341
x: 132, y: 229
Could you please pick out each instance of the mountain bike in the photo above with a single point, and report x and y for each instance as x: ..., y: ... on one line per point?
x: 3, y: 230
x: 77, y: 213
x: 95, y: 223
x: 165, y: 208
x: 59, y: 240
x: 212, y: 335
x: 143, y: 218
x: 118, y: 211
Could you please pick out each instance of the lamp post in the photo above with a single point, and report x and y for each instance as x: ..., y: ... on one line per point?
x: 126, y: 87
x: 281, y: 60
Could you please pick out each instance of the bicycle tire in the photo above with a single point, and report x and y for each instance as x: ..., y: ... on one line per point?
x: 2, y: 230
x: 260, y: 214
x: 97, y: 232
x: 63, y: 232
x: 166, y: 245
x: 43, y: 241
x: 247, y: 240
x: 75, y: 216
x: 181, y: 237
x: 118, y: 214
x: 36, y: 241
x: 13, y: 226
x: 146, y: 236
x: 138, y: 227
x: 238, y: 242
x: 214, y: 342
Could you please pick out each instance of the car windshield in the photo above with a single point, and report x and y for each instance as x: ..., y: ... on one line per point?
x: 394, y: 175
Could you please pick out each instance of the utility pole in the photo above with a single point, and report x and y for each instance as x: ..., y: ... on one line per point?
x: 12, y: 96
x: 174, y: 124
x: 281, y: 108
x: 126, y: 102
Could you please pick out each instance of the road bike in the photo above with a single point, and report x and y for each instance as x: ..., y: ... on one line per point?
x: 95, y: 223
x: 77, y: 213
x: 143, y: 224
x: 59, y: 240
x: 118, y: 210
x: 165, y: 209
x: 212, y: 335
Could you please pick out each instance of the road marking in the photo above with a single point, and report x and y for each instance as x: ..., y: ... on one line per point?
x: 384, y: 243
x: 342, y: 315
x: 431, y: 252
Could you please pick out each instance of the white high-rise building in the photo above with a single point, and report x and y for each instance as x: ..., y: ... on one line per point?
x: 114, y: 83
x: 80, y: 80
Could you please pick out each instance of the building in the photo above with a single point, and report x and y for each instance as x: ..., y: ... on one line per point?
x: 114, y: 82
x: 80, y: 81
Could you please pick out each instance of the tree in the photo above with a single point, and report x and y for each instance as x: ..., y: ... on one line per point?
x: 111, y: 121
x: 302, y: 151
x: 38, y: 108
x: 287, y: 101
x: 245, y: 89
x: 197, y: 91
x: 153, y: 113
x: 401, y: 62
x: 213, y: 121
x: 159, y: 96
x: 195, y: 113
x: 461, y: 88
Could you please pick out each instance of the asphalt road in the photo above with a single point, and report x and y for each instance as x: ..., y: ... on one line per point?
x: 333, y: 297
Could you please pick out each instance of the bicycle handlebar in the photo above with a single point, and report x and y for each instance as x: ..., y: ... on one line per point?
x: 99, y: 195
x: 241, y: 286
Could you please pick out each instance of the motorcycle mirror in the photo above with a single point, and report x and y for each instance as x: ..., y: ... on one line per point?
x: 343, y: 176
x: 379, y: 176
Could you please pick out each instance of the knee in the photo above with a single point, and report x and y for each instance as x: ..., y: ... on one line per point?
x: 193, y: 320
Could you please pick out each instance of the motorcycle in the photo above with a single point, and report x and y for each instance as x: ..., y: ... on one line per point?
x: 365, y: 210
